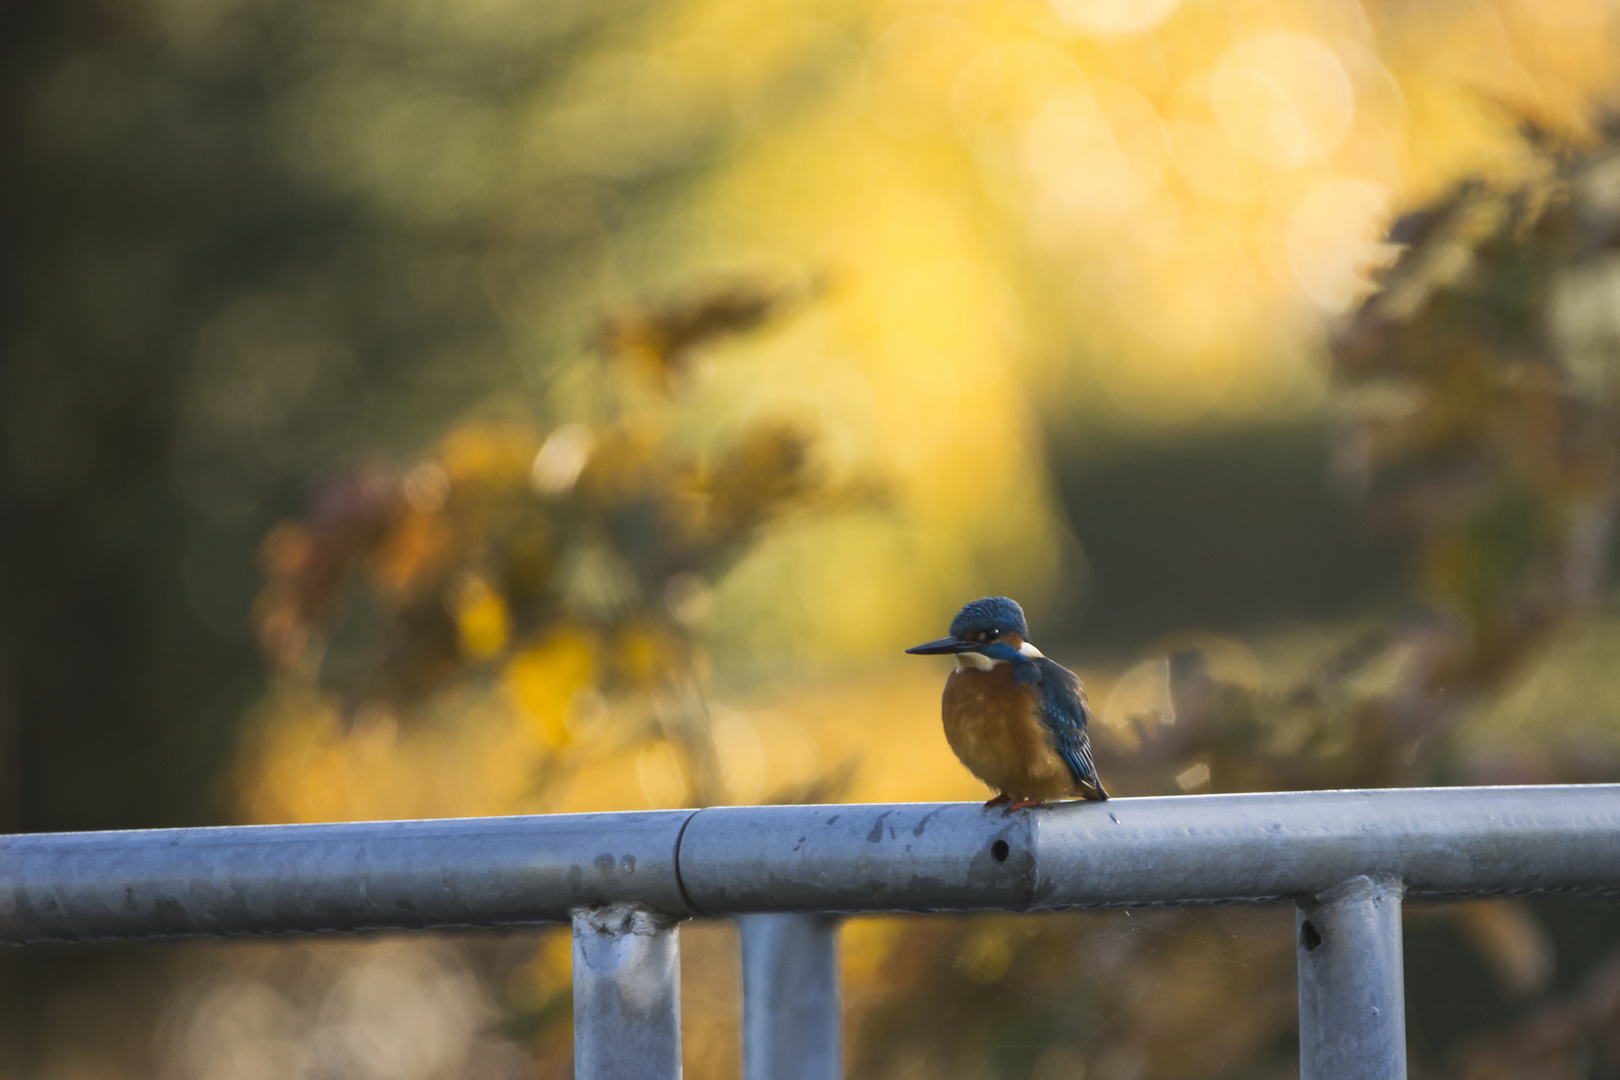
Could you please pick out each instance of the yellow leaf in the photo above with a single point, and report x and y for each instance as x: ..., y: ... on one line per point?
x: 545, y: 679
x: 481, y: 620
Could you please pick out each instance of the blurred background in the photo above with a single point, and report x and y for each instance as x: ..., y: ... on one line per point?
x: 446, y: 407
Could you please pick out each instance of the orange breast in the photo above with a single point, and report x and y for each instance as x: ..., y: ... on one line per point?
x: 992, y: 724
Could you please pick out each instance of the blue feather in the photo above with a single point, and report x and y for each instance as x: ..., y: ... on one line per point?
x: 992, y: 613
x: 1061, y: 702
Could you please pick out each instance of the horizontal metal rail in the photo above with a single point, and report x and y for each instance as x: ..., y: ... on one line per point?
x: 1348, y: 859
x: 834, y: 858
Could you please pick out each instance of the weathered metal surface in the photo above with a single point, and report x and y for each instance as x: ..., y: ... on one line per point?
x: 1352, y: 997
x: 627, y: 994
x: 301, y: 878
x: 899, y: 857
x: 924, y: 857
x: 793, y: 1021
x: 1440, y: 841
x: 740, y: 860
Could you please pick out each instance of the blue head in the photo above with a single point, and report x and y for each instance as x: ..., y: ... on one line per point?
x: 980, y: 626
x: 990, y: 618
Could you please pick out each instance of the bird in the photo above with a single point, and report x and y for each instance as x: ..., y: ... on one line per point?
x: 1015, y: 718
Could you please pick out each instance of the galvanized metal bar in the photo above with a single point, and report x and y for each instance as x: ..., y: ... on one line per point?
x: 924, y: 857
x: 1352, y: 995
x: 793, y: 1016
x: 627, y: 994
x: 742, y: 860
x: 1440, y: 841
x: 304, y: 878
x: 905, y: 857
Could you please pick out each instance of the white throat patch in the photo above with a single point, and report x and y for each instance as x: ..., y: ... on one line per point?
x: 981, y: 662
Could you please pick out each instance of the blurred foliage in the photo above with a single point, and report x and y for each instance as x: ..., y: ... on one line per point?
x: 572, y: 571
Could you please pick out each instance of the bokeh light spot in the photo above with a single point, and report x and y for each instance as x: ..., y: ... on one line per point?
x: 1107, y: 17
x: 1284, y: 99
x: 1097, y: 156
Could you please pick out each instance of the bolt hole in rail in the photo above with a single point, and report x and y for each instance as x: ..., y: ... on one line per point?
x: 1347, y: 860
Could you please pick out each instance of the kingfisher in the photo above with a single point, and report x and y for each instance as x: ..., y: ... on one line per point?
x: 1016, y: 719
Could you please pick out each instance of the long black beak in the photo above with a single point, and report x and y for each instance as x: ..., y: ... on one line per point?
x: 944, y: 645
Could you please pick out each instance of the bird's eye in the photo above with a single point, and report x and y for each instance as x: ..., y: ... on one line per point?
x: 991, y: 635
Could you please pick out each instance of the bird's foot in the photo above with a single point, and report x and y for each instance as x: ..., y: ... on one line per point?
x: 1021, y: 804
x: 997, y: 801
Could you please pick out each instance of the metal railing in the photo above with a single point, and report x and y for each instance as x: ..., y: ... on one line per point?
x: 1347, y: 859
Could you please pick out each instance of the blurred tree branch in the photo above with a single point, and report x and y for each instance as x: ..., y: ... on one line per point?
x: 503, y: 552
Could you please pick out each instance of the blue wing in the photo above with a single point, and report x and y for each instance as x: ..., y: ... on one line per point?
x: 1063, y: 709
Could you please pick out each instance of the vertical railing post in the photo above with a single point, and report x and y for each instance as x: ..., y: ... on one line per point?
x: 627, y: 994
x: 1352, y: 997
x: 793, y: 1021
